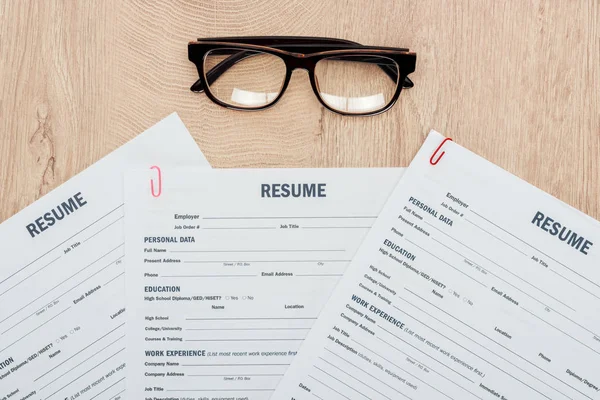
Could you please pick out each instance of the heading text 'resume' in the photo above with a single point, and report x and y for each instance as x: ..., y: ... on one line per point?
x: 58, y: 213
x: 293, y: 190
x: 557, y: 229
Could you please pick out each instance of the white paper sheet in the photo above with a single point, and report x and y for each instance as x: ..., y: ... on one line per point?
x: 230, y: 270
x: 61, y: 277
x: 464, y: 289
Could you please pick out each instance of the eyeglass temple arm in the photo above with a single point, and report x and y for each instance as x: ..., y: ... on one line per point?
x: 223, y: 66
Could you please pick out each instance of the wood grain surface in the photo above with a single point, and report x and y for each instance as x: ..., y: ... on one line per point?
x: 516, y: 81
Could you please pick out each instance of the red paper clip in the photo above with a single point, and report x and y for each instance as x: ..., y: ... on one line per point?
x: 156, y: 194
x: 431, y: 161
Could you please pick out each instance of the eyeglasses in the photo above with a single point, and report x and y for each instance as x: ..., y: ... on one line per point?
x: 252, y: 73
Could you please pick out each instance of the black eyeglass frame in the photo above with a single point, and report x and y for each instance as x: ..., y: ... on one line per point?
x: 297, y: 52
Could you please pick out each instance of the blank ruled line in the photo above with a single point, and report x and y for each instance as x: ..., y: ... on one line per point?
x: 29, y: 276
x: 113, y: 385
x: 257, y: 251
x: 35, y: 329
x: 489, y: 338
x: 317, y: 396
x: 329, y: 387
x: 365, y: 372
x: 335, y: 227
x: 219, y: 390
x: 210, y: 276
x: 395, y: 365
x: 86, y: 347
x: 450, y: 265
x: 103, y: 229
x: 263, y: 261
x: 348, y: 386
x: 55, y: 299
x: 118, y: 276
x: 235, y: 375
x: 496, y: 237
x: 244, y: 340
x: 507, y: 270
x: 319, y: 275
x: 356, y: 379
x: 248, y: 329
x: 95, y: 366
x: 236, y: 365
x: 538, y: 250
x: 581, y: 326
x: 60, y: 244
x: 471, y: 352
x: 242, y: 227
x: 252, y: 319
x: 560, y: 330
x: 570, y: 281
x: 87, y: 359
x: 298, y: 217
x: 115, y: 396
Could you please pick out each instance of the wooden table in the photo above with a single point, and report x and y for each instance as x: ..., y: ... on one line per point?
x: 517, y: 81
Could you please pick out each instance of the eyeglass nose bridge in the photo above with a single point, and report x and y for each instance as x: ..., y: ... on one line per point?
x: 299, y: 61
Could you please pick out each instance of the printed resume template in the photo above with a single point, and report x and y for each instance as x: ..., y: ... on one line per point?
x: 230, y: 270
x: 62, y: 300
x: 472, y: 284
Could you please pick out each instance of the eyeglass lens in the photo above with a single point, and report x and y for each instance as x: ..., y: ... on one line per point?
x: 249, y: 79
x: 356, y: 84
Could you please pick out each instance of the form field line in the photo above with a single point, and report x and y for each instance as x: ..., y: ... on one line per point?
x: 95, y: 366
x: 493, y: 341
x: 538, y: 250
x: 56, y: 298
x: 87, y: 359
x: 505, y: 269
x: 372, y: 376
x: 29, y: 276
x: 114, y: 384
x: 476, y: 355
x: 30, y: 332
x: 297, y: 217
x: 329, y: 387
x: 257, y: 251
x: 448, y: 264
x: 496, y: 237
x: 86, y: 347
x: 60, y: 244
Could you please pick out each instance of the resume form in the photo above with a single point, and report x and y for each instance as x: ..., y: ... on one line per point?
x: 472, y: 284
x: 62, y: 300
x: 230, y: 270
